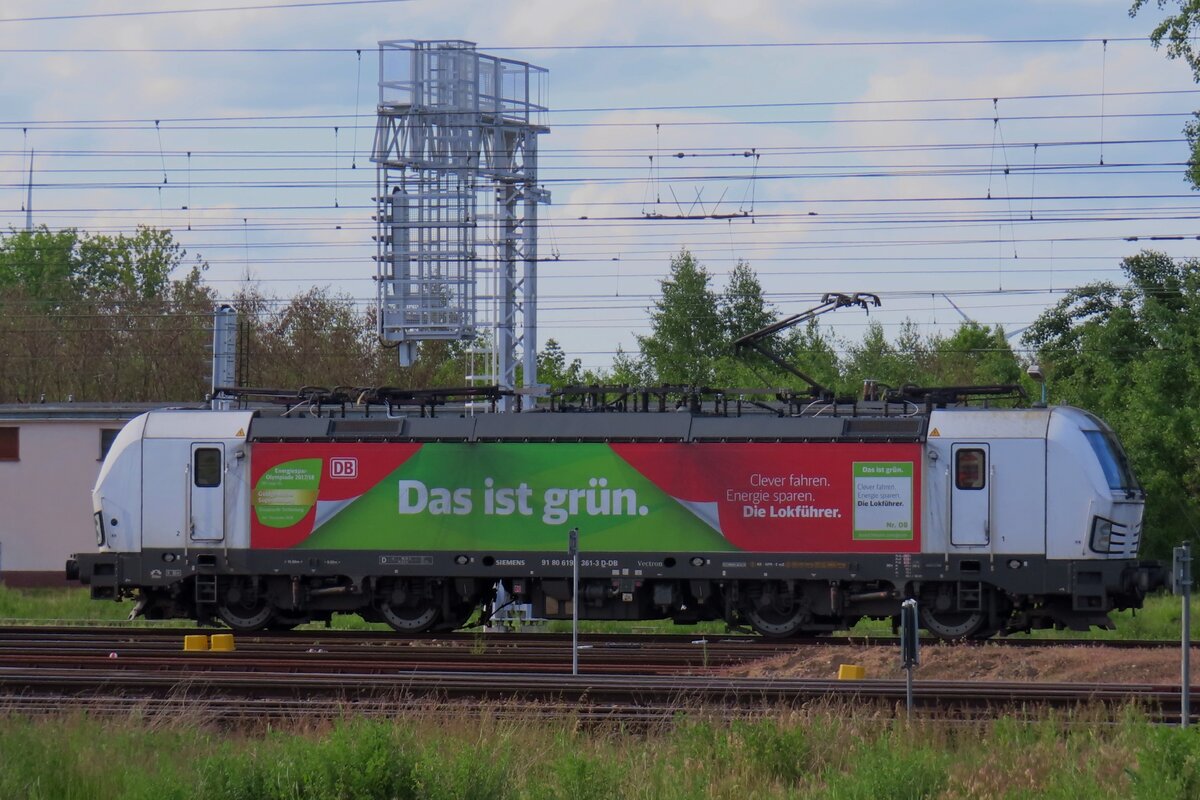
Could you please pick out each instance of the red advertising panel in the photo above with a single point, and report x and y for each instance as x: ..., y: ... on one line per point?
x: 805, y: 497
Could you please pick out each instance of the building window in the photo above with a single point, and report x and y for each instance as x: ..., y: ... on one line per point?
x: 10, y: 444
x: 107, y: 437
x: 206, y: 465
x: 970, y: 469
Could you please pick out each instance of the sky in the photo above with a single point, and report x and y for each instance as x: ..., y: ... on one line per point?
x: 972, y: 160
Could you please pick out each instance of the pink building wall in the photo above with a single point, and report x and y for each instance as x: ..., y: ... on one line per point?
x: 45, y: 498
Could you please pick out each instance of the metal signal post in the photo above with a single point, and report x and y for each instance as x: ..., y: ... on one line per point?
x: 1181, y: 584
x: 910, y: 655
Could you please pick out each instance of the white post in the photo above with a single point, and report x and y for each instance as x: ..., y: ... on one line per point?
x: 573, y: 549
x: 1183, y: 586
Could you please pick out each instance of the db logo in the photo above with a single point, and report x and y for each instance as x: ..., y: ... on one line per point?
x: 343, y: 467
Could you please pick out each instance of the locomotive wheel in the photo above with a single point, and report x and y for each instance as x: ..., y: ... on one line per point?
x: 775, y: 622
x: 409, y: 619
x: 954, y: 624
x: 244, y: 609
x: 252, y: 616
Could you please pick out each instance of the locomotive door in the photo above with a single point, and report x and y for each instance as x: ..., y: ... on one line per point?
x: 206, y: 493
x: 970, y: 495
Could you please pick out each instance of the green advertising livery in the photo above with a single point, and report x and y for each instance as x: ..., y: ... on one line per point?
x: 499, y: 497
x: 623, y: 497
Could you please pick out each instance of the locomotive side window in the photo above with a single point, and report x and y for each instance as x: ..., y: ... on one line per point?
x: 107, y: 437
x: 969, y: 469
x: 206, y: 466
x: 10, y: 444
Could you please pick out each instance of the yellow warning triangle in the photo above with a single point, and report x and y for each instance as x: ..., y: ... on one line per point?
x: 933, y: 432
x: 241, y: 432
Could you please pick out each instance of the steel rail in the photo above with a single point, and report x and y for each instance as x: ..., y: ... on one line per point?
x: 522, y: 689
x: 21, y: 633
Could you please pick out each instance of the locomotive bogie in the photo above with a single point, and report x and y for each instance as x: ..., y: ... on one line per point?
x: 959, y: 596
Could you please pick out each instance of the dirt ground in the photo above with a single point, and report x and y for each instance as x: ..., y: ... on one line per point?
x: 988, y: 662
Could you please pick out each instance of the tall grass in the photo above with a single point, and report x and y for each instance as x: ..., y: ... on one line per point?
x: 838, y: 753
x: 1160, y: 618
x: 68, y: 605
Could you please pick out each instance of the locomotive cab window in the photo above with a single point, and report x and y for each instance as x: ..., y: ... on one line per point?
x: 970, y: 468
x: 206, y: 466
x: 1113, y: 460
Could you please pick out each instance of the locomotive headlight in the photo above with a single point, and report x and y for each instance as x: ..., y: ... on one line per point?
x: 1101, y: 534
x: 98, y: 518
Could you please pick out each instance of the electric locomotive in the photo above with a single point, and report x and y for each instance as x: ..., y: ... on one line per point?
x: 793, y: 518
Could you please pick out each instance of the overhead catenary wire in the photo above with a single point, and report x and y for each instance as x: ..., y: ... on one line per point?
x: 303, y: 216
x: 925, y: 146
x: 98, y: 15
x: 965, y: 99
x: 566, y: 46
x: 732, y: 173
x: 749, y: 123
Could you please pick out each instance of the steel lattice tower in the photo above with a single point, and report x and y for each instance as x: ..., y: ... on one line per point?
x: 456, y: 153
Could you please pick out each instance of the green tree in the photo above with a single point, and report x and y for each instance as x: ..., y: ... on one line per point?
x: 139, y: 265
x: 742, y: 307
x: 1132, y: 355
x: 58, y: 266
x: 693, y: 331
x: 323, y: 338
x: 440, y: 364
x: 814, y: 352
x: 973, y: 355
x: 628, y: 370
x: 40, y: 264
x: 317, y: 338
x: 874, y: 358
x: 553, y: 369
x: 686, y: 333
x: 101, y: 317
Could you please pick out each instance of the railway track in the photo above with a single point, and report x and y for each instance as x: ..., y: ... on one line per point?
x: 343, y: 652
x: 249, y: 694
x: 626, y: 678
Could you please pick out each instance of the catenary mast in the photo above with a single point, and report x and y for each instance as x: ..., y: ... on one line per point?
x: 456, y: 204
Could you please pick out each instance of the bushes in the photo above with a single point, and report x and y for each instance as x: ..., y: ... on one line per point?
x: 355, y: 760
x: 888, y: 770
x: 1168, y: 765
x: 836, y: 753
